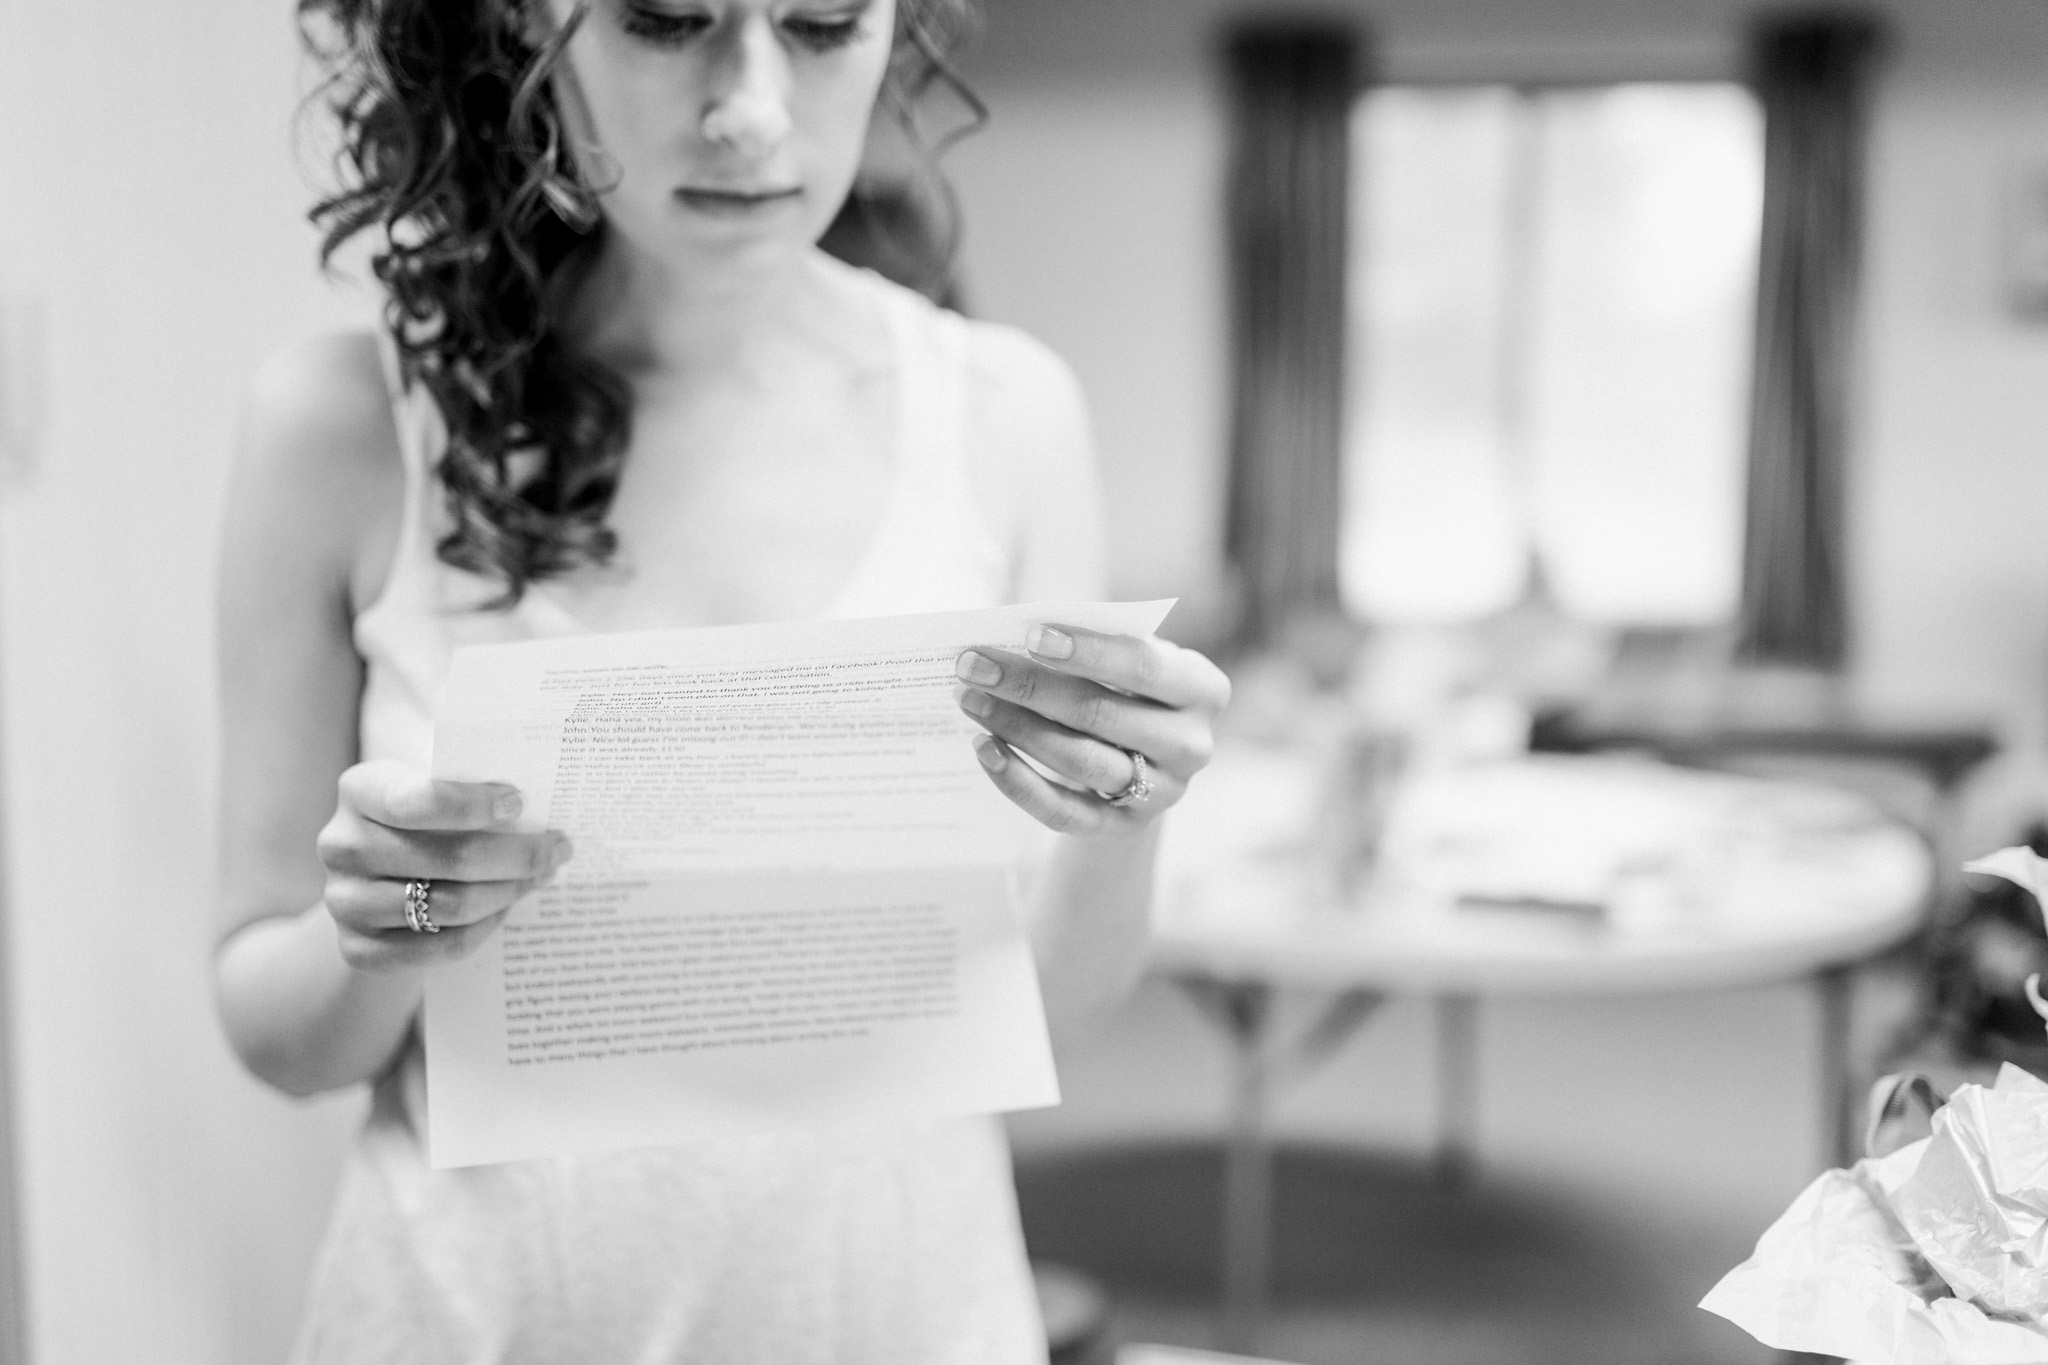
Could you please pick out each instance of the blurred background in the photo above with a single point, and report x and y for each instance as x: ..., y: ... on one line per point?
x: 1657, y: 385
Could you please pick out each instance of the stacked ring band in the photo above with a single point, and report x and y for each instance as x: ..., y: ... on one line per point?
x: 1137, y: 789
x: 418, y: 904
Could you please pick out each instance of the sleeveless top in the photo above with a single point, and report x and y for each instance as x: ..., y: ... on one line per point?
x: 848, y: 1246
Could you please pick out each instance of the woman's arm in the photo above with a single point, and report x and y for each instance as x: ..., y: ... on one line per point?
x: 1090, y: 902
x: 316, y: 977
x: 316, y: 483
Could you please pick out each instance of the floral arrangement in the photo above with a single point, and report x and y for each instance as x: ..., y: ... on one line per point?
x: 1933, y: 1254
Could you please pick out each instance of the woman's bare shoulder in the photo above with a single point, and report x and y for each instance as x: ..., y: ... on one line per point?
x: 1032, y: 455
x: 318, y: 478
x: 1014, y: 374
x: 319, y: 408
x: 1027, y: 417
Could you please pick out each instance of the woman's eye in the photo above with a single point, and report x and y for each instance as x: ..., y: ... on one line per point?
x: 822, y: 35
x: 664, y: 28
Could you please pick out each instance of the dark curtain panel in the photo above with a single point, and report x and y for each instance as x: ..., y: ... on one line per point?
x: 1812, y: 72
x: 1291, y: 89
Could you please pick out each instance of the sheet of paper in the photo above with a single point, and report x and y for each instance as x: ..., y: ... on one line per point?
x: 791, y: 903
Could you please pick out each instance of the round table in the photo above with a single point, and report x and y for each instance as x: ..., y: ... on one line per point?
x: 1547, y: 875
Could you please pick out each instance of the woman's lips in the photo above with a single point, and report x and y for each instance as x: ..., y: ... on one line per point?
x: 736, y: 203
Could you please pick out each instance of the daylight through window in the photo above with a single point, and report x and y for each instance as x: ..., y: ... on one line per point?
x: 1550, y: 335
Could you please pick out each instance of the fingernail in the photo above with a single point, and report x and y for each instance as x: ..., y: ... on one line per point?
x: 1048, y: 643
x: 506, y: 806
x: 562, y: 852
x: 974, y: 702
x: 977, y: 669
x: 990, y: 753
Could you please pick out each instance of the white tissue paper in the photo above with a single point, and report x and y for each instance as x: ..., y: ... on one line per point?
x: 2021, y: 865
x: 1840, y: 1275
x: 1977, y: 1203
x: 1934, y: 1255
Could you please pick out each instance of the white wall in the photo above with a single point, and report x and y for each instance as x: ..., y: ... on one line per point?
x: 1951, y: 562
x: 148, y: 194
x: 1094, y: 218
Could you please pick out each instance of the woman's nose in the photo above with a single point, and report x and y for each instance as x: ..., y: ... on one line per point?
x: 749, y: 106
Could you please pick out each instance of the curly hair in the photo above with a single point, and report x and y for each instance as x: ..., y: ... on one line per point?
x: 451, y: 152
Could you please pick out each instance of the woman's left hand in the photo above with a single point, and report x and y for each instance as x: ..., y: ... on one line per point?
x: 1128, y: 720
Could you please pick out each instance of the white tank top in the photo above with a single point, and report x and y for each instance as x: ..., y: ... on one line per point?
x: 896, y: 1245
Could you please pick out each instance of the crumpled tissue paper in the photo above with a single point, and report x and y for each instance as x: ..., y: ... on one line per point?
x: 1934, y: 1255
x: 1977, y: 1203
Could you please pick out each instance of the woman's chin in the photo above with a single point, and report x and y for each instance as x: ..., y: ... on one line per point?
x: 686, y: 241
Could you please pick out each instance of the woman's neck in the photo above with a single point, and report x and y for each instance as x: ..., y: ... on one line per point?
x: 647, y: 317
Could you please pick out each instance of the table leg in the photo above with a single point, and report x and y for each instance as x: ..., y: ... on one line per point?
x: 1244, y: 1010
x: 1260, y: 1060
x: 1838, y: 1123
x: 1248, y: 1182
x: 1457, y: 1089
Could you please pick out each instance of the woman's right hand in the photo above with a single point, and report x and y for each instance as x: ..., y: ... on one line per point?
x: 394, y: 824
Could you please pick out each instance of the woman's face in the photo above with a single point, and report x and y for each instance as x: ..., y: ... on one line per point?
x: 725, y: 125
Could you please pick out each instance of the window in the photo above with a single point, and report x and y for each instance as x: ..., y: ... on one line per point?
x: 1549, y: 350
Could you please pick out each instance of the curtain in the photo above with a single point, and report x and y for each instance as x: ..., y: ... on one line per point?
x: 1291, y: 86
x: 1812, y: 73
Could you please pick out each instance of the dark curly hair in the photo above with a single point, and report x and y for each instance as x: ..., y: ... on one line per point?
x: 451, y: 152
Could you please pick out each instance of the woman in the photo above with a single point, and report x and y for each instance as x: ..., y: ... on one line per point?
x: 622, y: 388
